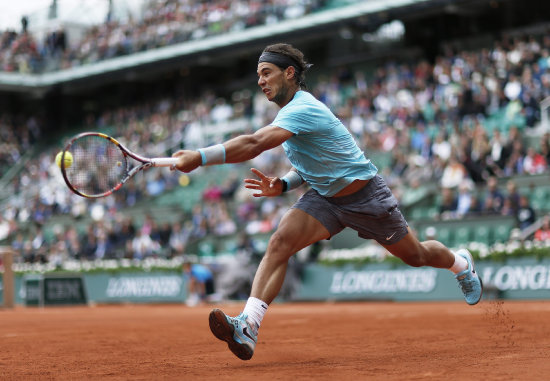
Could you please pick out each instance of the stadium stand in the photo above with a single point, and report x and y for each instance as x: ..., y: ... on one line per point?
x: 162, y: 23
x: 412, y: 115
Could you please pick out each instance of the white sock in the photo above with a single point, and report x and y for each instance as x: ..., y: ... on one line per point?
x: 255, y: 310
x: 460, y: 264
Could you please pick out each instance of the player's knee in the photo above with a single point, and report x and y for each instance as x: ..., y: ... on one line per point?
x: 280, y: 247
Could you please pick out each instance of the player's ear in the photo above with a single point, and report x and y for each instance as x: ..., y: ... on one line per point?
x: 290, y: 72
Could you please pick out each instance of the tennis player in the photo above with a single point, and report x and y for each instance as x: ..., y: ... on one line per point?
x: 346, y: 191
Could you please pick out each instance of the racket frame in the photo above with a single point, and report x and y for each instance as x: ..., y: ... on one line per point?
x: 146, y: 162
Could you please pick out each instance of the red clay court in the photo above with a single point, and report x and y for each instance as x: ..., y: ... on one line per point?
x: 494, y: 340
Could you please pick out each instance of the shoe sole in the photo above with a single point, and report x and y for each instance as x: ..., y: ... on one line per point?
x: 478, y: 277
x: 225, y: 331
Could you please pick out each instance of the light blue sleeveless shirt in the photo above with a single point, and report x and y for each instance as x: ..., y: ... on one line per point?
x: 322, y: 150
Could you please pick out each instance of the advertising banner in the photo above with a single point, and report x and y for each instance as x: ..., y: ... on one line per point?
x: 49, y: 289
x: 524, y: 278
x: 140, y: 287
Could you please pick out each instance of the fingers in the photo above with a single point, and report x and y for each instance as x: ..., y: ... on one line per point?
x: 252, y: 181
x: 179, y: 155
x: 249, y: 186
x: 266, y: 185
x: 258, y: 173
x: 187, y: 160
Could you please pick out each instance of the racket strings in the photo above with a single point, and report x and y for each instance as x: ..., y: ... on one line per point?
x: 99, y: 166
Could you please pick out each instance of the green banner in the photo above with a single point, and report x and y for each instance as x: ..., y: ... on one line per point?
x: 513, y: 279
x: 526, y: 278
x: 377, y: 281
x: 64, y: 290
x: 43, y: 290
x: 518, y: 279
x: 104, y: 287
x: 33, y: 292
x: 140, y: 287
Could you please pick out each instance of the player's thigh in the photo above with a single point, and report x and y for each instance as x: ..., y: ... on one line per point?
x: 407, y: 248
x: 297, y: 230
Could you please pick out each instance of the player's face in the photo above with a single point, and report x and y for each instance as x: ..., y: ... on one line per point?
x: 274, y: 82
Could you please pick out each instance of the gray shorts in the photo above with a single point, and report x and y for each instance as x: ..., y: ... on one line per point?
x: 372, y: 212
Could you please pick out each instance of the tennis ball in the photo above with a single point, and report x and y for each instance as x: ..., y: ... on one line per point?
x: 184, y: 180
x: 68, y: 159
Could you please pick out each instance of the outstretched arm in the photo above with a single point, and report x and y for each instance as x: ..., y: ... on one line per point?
x: 238, y: 149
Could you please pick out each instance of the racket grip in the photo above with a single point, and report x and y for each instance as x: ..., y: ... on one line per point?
x: 164, y: 161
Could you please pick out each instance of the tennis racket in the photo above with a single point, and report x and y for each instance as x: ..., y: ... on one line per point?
x: 100, y: 164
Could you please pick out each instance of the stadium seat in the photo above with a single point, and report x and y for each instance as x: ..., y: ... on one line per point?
x: 502, y: 233
x: 417, y: 213
x: 207, y: 247
x: 229, y: 244
x: 462, y: 235
x: 432, y: 212
x: 482, y: 234
x: 539, y: 198
x: 444, y: 234
x: 381, y: 159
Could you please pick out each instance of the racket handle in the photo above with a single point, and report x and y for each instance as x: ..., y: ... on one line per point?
x: 164, y: 161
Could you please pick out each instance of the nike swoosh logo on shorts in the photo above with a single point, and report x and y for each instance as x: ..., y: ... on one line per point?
x: 390, y: 237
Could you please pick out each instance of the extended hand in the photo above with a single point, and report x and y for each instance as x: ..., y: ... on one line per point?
x: 188, y: 160
x: 268, y: 186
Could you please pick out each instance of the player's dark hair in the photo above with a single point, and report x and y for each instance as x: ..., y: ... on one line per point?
x: 297, y: 58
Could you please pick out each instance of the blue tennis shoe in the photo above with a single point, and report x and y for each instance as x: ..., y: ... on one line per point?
x: 239, y: 335
x: 468, y: 280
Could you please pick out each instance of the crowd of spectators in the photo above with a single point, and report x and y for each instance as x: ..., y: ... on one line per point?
x: 432, y: 119
x: 18, y: 134
x: 163, y: 23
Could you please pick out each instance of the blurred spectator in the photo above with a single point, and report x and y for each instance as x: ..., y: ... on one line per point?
x: 534, y: 163
x: 103, y: 249
x: 514, y: 162
x: 493, y: 199
x: 497, y: 158
x: 465, y: 199
x: 223, y: 224
x: 200, y: 283
x: 512, y: 196
x: 525, y: 214
x: 90, y: 244
x: 143, y: 246
x: 179, y: 238
x: 441, y: 147
x: 545, y: 147
x: 543, y: 233
x: 448, y: 205
x: 4, y: 228
x: 212, y: 193
x: 454, y: 173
